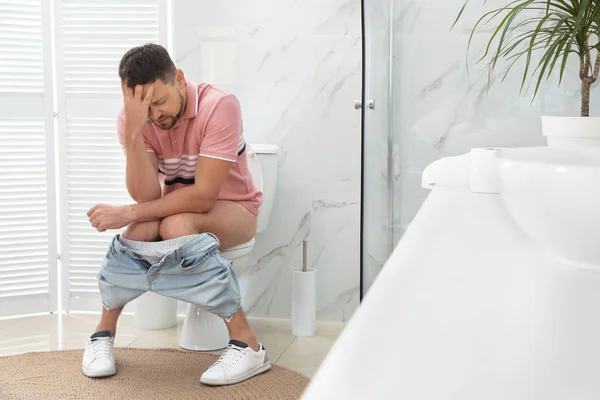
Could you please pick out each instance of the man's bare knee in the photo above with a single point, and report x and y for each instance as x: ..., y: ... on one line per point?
x: 178, y: 225
x: 143, y: 231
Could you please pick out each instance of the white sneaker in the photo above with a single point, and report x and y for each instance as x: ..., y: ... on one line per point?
x: 98, y: 359
x: 237, y: 363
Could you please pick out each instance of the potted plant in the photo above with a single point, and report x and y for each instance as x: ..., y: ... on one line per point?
x: 554, y: 30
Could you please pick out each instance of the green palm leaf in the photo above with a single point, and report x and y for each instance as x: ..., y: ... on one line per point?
x: 554, y: 29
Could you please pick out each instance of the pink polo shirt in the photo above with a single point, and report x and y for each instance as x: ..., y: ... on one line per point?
x: 211, y: 126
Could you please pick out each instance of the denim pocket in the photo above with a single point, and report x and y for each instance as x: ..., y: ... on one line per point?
x: 198, y: 257
x: 191, y: 262
x: 120, y: 260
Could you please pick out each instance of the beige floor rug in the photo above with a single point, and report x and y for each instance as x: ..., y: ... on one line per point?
x: 141, y: 374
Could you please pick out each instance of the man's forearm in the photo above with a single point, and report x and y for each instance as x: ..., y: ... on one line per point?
x: 141, y: 176
x: 189, y: 199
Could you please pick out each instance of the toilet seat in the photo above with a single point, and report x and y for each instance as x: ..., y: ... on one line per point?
x: 239, y: 251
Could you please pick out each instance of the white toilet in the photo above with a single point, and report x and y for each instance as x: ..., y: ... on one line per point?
x: 203, y: 331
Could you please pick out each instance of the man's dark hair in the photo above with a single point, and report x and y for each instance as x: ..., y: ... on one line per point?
x: 145, y: 64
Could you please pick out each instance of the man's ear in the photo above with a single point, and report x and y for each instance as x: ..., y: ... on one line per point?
x: 180, y: 79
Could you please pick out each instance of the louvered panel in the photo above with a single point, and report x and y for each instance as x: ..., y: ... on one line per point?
x: 33, y: 266
x: 21, y: 47
x: 96, y: 174
x: 27, y: 208
x: 23, y: 208
x: 95, y: 35
x: 91, y: 40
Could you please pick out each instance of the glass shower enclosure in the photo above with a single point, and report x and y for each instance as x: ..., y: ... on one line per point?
x: 377, y: 191
x: 421, y: 102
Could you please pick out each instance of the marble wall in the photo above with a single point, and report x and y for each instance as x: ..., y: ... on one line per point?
x: 441, y: 106
x: 443, y: 109
x: 295, y: 65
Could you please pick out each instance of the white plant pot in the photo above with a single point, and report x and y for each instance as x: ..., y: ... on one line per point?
x: 571, y: 132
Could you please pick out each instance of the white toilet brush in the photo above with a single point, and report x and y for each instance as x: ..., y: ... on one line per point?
x: 304, y: 299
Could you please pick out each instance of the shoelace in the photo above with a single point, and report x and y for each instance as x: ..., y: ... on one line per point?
x: 230, y: 356
x: 102, y: 347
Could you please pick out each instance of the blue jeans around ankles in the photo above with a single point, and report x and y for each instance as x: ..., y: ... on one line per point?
x: 194, y: 272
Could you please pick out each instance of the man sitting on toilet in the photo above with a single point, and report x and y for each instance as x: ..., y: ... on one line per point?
x: 187, y: 170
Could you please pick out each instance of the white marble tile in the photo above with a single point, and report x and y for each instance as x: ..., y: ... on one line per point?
x: 274, y: 334
x: 441, y: 109
x: 305, y: 354
x: 334, y: 17
x: 6, y: 322
x: 438, y: 16
x: 313, y: 351
x: 334, y: 250
x: 60, y: 332
x: 295, y: 66
x: 266, y: 283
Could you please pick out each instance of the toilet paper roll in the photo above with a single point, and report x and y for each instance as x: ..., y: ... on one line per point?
x: 304, y: 302
x: 483, y: 177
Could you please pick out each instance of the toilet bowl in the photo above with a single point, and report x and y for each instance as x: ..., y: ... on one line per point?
x: 203, y: 331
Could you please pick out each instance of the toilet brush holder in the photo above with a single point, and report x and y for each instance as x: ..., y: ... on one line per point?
x: 304, y: 300
x: 153, y: 311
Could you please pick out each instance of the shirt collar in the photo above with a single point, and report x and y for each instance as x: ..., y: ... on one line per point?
x: 191, y: 108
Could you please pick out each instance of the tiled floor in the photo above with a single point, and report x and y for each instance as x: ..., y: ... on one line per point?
x: 70, y: 331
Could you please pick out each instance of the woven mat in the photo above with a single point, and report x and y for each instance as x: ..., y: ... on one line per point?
x: 141, y: 374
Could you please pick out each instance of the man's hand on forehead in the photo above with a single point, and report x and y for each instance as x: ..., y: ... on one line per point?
x: 145, y: 89
x: 131, y: 90
x: 136, y: 107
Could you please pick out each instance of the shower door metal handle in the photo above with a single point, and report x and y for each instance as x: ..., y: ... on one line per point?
x: 358, y: 104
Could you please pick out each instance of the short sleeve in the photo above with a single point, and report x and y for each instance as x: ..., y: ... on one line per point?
x: 223, y: 132
x: 121, y: 133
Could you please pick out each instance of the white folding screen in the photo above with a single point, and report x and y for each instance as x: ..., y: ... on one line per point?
x: 91, y: 38
x: 28, y: 282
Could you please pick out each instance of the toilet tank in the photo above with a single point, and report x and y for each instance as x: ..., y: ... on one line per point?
x: 262, y: 162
